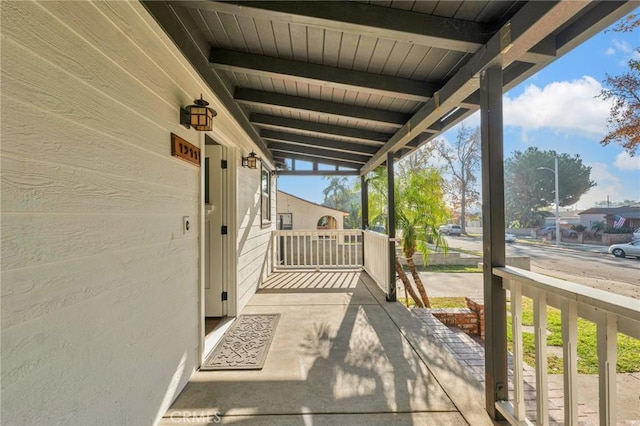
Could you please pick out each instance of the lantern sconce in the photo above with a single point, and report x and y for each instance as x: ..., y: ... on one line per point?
x: 250, y: 161
x: 199, y: 116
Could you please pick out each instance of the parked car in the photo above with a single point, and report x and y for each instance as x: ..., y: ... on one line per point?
x: 377, y: 228
x: 509, y: 238
x: 450, y: 229
x: 636, y: 234
x: 563, y: 231
x: 627, y: 249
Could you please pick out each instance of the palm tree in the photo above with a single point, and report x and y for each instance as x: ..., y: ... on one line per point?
x: 419, y: 211
x: 597, y: 227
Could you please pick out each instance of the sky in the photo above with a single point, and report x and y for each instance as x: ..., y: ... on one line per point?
x: 556, y: 109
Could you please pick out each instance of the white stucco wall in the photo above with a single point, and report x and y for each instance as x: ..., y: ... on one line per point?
x: 305, y: 214
x: 100, y: 287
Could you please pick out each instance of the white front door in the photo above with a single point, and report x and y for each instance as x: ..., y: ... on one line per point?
x: 213, y: 244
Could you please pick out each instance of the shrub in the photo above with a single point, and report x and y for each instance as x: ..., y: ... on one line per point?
x: 612, y: 230
x: 578, y: 228
x: 597, y: 227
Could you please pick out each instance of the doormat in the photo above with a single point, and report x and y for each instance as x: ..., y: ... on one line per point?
x: 245, y: 345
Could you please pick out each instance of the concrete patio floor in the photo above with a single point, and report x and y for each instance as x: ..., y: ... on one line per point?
x: 341, y: 355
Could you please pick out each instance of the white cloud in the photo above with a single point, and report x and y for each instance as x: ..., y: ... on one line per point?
x: 622, y: 46
x: 625, y: 162
x: 563, y: 106
x: 610, y: 51
x: 607, y: 185
x: 597, y: 194
x: 600, y: 173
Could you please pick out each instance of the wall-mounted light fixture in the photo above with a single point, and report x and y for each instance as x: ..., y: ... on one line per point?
x: 199, y: 116
x: 251, y: 161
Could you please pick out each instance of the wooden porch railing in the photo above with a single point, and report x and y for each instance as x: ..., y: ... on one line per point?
x: 316, y: 249
x: 376, y: 258
x: 611, y: 313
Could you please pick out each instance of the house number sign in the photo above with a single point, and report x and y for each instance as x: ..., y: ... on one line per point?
x: 184, y: 150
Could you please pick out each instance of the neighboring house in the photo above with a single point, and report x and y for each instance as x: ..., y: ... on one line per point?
x: 592, y: 216
x: 296, y: 213
x: 630, y: 214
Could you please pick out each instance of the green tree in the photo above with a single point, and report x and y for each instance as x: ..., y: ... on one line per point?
x: 420, y: 209
x: 462, y: 158
x: 624, y: 91
x: 341, y: 194
x: 528, y: 188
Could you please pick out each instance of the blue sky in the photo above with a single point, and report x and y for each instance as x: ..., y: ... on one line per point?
x: 556, y: 109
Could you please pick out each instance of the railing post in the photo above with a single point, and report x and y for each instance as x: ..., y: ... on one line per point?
x: 391, y: 228
x: 570, y: 361
x: 607, y: 358
x: 493, y: 238
x: 540, y: 335
x: 516, y: 327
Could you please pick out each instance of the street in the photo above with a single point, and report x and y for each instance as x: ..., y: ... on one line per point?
x: 594, y: 269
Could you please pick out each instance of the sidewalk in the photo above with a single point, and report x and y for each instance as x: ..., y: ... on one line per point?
x: 591, y: 248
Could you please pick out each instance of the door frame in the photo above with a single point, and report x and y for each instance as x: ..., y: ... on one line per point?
x: 229, y: 218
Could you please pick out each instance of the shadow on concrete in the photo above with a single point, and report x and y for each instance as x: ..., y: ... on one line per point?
x: 337, y: 356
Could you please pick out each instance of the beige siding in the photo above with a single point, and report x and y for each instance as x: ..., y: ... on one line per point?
x: 100, y: 286
x: 253, y: 236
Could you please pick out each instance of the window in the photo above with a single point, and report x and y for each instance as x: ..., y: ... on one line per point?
x: 265, y: 202
x: 285, y: 221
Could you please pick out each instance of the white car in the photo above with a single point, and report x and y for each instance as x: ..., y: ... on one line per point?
x: 627, y: 249
x: 636, y: 234
x: 509, y: 238
x: 450, y: 229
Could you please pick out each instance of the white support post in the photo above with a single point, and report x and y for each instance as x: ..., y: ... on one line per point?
x: 607, y: 358
x: 516, y: 329
x: 542, y: 388
x: 570, y: 361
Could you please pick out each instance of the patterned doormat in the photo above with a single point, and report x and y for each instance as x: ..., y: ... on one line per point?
x: 245, y: 345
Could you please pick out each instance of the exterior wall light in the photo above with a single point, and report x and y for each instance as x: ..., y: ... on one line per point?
x: 251, y: 161
x: 199, y: 116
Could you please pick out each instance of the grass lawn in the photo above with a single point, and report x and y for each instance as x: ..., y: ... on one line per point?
x: 628, y: 348
x: 439, y: 302
x: 449, y: 268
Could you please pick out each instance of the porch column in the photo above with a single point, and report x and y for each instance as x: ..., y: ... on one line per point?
x: 493, y: 237
x: 364, y: 194
x: 391, y: 229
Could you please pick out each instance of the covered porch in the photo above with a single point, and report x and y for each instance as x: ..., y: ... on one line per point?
x: 340, y: 355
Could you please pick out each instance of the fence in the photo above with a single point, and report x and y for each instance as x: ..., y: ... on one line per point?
x: 376, y: 258
x: 610, y: 312
x: 315, y: 249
